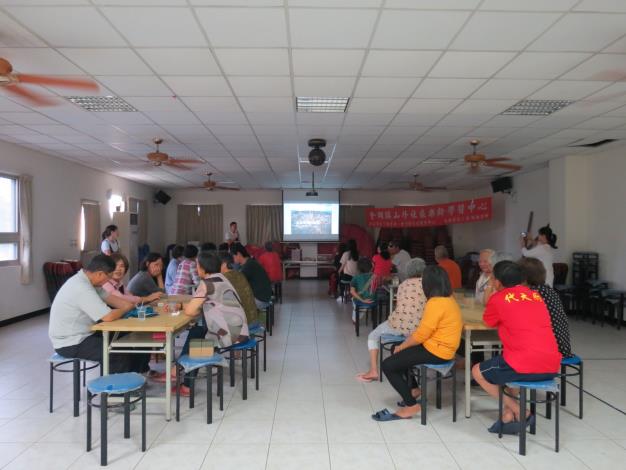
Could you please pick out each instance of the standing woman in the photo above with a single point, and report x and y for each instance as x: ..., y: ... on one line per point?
x: 149, y: 279
x: 109, y: 243
x: 543, y: 249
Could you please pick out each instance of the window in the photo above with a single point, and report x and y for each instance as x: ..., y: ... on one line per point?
x: 116, y: 204
x: 89, y: 226
x: 9, y: 221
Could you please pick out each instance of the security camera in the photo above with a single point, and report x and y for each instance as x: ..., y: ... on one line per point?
x: 317, y: 157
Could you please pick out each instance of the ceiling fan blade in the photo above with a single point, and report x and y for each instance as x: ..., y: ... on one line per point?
x: 185, y: 160
x: 178, y: 166
x: 227, y: 188
x: 498, y: 159
x: 33, y: 98
x: 81, y: 83
x: 612, y: 75
x: 504, y: 166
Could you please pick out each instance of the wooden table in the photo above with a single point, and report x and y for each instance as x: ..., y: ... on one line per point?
x: 164, y: 323
x: 485, y: 336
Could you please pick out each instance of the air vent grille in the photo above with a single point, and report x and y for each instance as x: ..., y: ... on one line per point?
x: 536, y: 107
x: 102, y: 104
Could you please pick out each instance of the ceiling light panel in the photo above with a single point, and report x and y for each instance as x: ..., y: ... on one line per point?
x: 102, y: 103
x: 537, y: 107
x: 307, y: 104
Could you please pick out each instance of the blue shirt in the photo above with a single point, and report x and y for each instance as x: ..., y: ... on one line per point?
x: 170, y: 274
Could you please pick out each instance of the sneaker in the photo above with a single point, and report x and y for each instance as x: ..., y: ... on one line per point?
x: 184, y: 390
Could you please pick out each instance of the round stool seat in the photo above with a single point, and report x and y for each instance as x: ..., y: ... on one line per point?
x: 250, y: 344
x: 191, y: 363
x: 571, y: 361
x: 389, y: 338
x: 116, y: 383
x: 56, y: 357
x: 546, y: 385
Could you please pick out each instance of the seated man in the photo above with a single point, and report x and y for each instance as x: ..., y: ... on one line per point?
x: 78, y: 305
x: 242, y: 287
x: 449, y: 265
x: 270, y: 260
x: 255, y: 274
x: 530, y: 351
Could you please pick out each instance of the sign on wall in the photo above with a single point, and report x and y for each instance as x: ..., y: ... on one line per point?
x: 459, y: 212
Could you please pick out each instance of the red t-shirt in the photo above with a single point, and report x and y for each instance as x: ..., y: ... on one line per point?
x: 382, y: 266
x: 525, y: 329
x: 454, y: 272
x: 272, y: 265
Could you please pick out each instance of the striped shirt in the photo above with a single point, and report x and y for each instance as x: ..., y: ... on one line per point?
x: 186, y: 278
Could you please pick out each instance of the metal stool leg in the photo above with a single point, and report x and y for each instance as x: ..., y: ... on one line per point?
x: 143, y: 419
x: 380, y: 359
x: 209, y: 394
x: 252, y: 369
x: 522, y: 421
x: 438, y: 396
x: 231, y: 360
x: 84, y: 373
x: 76, y: 383
x: 127, y: 416
x: 220, y: 386
x: 580, y: 390
x: 103, y: 428
x: 192, y: 392
x: 265, y: 351
x: 533, y: 410
x: 563, y: 385
x: 89, y: 397
x: 453, y: 372
x: 256, y: 363
x: 51, y: 386
x: 244, y: 375
x: 357, y: 320
x: 556, y: 422
x: 424, y: 397
x: 500, y: 400
x: 178, y: 372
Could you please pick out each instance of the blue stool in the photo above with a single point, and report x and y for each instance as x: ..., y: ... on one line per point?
x: 186, y: 364
x: 575, y: 363
x: 386, y: 343
x: 249, y: 350
x: 443, y: 371
x: 56, y: 362
x: 363, y: 308
x: 260, y: 334
x: 115, y: 385
x: 551, y: 387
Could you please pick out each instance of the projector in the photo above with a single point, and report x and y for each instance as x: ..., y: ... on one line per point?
x: 312, y: 193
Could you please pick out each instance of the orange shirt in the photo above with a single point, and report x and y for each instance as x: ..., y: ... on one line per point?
x: 454, y: 272
x: 440, y: 328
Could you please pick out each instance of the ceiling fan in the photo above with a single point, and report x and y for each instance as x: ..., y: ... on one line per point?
x: 417, y: 186
x: 211, y: 185
x: 158, y: 158
x: 12, y: 83
x: 477, y: 160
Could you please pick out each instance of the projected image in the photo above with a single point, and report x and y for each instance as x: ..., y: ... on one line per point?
x: 311, y: 222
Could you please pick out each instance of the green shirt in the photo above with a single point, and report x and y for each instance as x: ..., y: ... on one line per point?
x: 244, y: 291
x: 362, y: 283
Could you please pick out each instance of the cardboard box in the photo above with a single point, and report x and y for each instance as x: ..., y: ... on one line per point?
x: 201, y: 347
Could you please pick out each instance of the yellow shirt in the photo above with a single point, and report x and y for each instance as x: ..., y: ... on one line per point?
x: 440, y: 328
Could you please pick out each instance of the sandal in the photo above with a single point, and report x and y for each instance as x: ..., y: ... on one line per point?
x: 385, y: 415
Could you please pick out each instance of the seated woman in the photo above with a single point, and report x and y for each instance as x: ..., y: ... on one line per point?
x: 115, y: 287
x: 149, y: 279
x: 535, y: 274
x: 172, y: 267
x: 217, y: 299
x: 187, y: 274
x: 271, y: 262
x: 347, y: 266
x: 404, y: 318
x: 435, y: 341
x: 361, y: 287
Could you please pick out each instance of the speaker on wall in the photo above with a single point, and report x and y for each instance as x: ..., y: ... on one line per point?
x: 162, y: 197
x: 502, y: 185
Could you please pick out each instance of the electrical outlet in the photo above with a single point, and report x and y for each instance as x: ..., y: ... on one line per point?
x: 73, y: 243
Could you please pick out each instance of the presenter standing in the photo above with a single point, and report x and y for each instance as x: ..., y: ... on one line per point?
x: 232, y: 235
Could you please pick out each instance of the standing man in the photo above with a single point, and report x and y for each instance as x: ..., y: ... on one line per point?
x: 232, y: 236
x: 449, y: 265
x: 399, y: 258
x: 78, y: 305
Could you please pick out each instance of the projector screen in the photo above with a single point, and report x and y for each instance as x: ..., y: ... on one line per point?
x: 310, y: 218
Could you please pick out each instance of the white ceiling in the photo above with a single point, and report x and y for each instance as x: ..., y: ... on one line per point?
x: 217, y: 79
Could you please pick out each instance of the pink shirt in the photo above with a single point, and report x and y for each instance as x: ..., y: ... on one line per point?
x: 112, y: 287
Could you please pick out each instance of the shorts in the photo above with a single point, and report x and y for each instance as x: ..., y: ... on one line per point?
x: 497, y: 372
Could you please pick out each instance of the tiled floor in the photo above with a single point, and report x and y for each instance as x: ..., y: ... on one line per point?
x: 309, y: 413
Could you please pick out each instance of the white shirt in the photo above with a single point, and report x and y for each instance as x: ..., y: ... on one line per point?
x: 76, y: 308
x: 349, y: 265
x: 481, y: 285
x: 400, y: 260
x: 545, y: 254
x: 109, y: 245
x: 231, y: 236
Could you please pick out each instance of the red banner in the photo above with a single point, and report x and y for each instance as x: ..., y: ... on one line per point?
x: 460, y: 212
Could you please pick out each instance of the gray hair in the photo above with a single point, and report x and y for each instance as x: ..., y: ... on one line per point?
x: 441, y: 252
x: 492, y: 255
x: 415, y: 267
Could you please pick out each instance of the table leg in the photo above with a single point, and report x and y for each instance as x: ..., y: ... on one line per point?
x: 105, y: 353
x: 390, y: 300
x: 168, y: 376
x: 468, y: 375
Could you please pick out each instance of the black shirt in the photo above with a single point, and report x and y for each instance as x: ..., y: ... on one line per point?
x: 258, y: 280
x: 558, y: 318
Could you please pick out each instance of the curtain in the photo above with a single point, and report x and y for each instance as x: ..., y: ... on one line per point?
x: 355, y: 215
x: 25, y: 205
x: 93, y: 236
x: 200, y: 222
x: 264, y: 224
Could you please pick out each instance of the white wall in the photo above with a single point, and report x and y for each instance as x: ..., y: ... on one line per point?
x: 58, y: 187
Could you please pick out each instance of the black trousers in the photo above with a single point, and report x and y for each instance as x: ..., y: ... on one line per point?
x: 195, y: 332
x: 397, y: 366
x: 90, y: 349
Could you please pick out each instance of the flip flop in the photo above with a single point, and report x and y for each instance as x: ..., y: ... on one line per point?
x: 512, y: 427
x: 385, y: 415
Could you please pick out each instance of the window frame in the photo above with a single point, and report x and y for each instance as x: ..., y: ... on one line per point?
x: 12, y: 237
x: 84, y: 202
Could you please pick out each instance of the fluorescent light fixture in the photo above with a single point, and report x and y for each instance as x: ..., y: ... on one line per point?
x: 308, y: 104
x: 102, y: 104
x: 536, y: 107
x: 438, y: 161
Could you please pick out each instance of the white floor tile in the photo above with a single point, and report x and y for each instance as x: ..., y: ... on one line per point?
x: 481, y: 455
x: 9, y: 451
x: 248, y: 431
x: 361, y: 456
x: 47, y: 457
x: 299, y: 431
x: 422, y: 455
x: 298, y: 457
x: 178, y: 456
x: 598, y: 455
x: 236, y: 456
